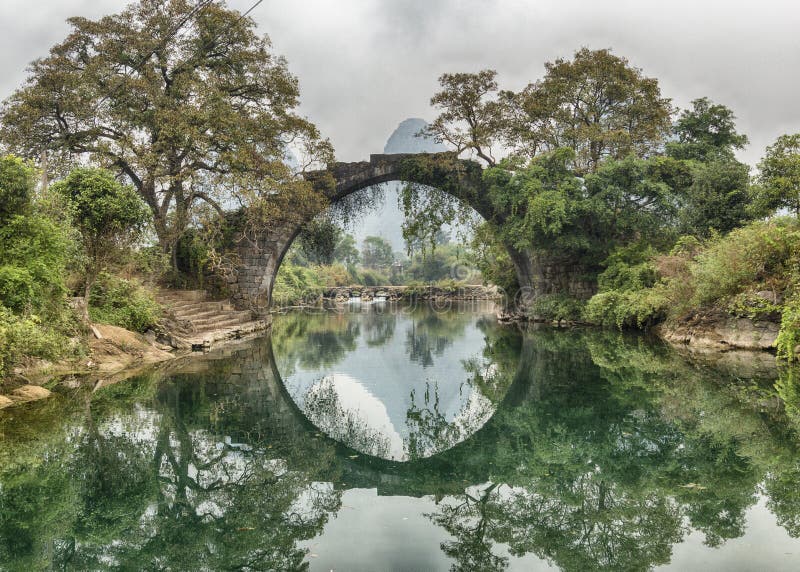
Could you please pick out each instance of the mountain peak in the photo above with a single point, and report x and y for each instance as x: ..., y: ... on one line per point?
x: 405, y: 140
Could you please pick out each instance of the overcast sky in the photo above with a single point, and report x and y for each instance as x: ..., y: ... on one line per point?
x: 365, y: 65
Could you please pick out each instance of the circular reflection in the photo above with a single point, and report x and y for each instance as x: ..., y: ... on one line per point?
x: 394, y: 382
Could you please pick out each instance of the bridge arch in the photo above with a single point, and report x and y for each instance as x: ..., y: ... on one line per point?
x: 261, y: 258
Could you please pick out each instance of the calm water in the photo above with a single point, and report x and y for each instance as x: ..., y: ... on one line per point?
x: 389, y: 439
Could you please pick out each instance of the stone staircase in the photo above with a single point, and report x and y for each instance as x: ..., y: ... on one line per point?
x: 200, y: 321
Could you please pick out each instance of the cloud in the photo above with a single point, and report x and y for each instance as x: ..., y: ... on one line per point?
x: 364, y: 65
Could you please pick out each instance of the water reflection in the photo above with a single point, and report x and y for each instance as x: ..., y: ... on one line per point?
x: 394, y: 383
x: 603, y: 452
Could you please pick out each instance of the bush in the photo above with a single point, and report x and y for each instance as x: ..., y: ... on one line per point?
x: 17, y: 182
x: 751, y: 256
x: 369, y: 277
x: 333, y: 275
x: 295, y: 285
x: 628, y: 308
x: 123, y: 303
x: 34, y: 252
x: 28, y: 337
x: 18, y: 289
x: 558, y: 307
x: 789, y: 334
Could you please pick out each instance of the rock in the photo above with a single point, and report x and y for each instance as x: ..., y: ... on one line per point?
x: 769, y: 296
x: 721, y: 332
x: 29, y: 393
x: 5, y: 402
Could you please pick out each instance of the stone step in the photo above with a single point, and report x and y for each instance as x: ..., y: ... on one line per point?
x: 189, y: 307
x: 200, y: 313
x: 182, y: 295
x: 223, y: 320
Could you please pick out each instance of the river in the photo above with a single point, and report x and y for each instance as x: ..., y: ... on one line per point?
x: 379, y: 437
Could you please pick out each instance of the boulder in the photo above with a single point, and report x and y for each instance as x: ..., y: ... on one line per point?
x: 29, y: 393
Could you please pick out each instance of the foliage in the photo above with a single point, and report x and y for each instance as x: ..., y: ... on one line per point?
x: 628, y: 308
x: 779, y: 186
x: 549, y: 209
x: 28, y: 336
x: 788, y: 340
x: 748, y: 257
x: 109, y: 216
x: 557, y: 307
x: 295, y: 285
x: 319, y: 240
x: 469, y: 121
x: 17, y: 183
x: 718, y: 198
x: 747, y: 272
x: 372, y: 277
x: 492, y: 260
x: 35, y: 253
x: 376, y: 252
x: 123, y: 303
x: 214, y: 110
x: 624, y: 115
x: 446, y: 261
x: 346, y: 251
x: 705, y: 132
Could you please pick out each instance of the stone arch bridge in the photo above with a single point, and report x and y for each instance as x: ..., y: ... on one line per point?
x: 261, y: 255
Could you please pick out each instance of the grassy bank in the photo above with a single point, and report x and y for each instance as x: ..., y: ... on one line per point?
x: 752, y: 272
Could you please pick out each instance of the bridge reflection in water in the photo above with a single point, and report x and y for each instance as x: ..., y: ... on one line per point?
x: 589, y: 450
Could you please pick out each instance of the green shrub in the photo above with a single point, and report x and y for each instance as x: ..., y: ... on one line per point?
x: 558, y: 307
x: 747, y: 257
x: 628, y: 308
x: 369, y: 277
x: 789, y: 334
x: 18, y: 289
x: 333, y: 275
x: 630, y: 268
x: 17, y: 183
x: 34, y: 251
x: 28, y: 337
x: 295, y: 285
x: 123, y: 303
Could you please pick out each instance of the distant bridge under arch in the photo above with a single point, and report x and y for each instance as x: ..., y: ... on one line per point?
x: 261, y: 256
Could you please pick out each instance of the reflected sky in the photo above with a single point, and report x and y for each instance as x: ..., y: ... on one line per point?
x: 403, y: 387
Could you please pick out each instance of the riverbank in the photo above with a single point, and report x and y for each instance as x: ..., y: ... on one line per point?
x: 115, y: 355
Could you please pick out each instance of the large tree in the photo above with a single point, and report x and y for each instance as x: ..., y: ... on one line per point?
x: 780, y: 176
x: 181, y: 96
x: 718, y: 197
x: 596, y: 104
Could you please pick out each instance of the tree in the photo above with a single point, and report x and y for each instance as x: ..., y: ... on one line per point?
x: 377, y: 252
x: 597, y: 104
x: 17, y: 183
x: 346, y: 251
x: 718, y: 197
x: 109, y: 215
x: 180, y: 96
x: 780, y: 176
x: 469, y: 120
x: 707, y: 131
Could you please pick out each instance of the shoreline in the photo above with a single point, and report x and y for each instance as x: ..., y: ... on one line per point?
x: 121, y: 354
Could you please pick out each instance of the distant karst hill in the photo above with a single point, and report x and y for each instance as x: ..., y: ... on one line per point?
x: 405, y: 140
